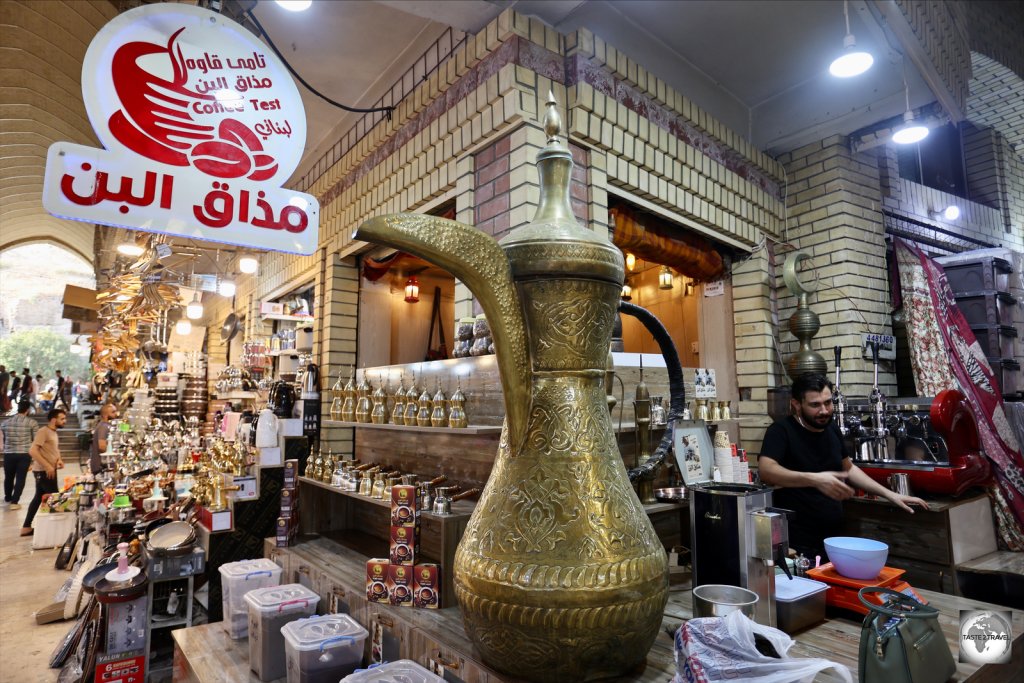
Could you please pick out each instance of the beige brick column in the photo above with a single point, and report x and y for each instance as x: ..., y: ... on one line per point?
x: 835, y: 214
x: 336, y: 337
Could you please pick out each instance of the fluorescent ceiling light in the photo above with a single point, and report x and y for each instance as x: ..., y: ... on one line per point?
x: 910, y: 132
x: 226, y: 288
x: 194, y: 310
x: 249, y: 265
x: 130, y: 249
x: 852, y: 62
x: 295, y: 5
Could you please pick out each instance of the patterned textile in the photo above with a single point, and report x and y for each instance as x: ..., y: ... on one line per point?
x: 945, y: 355
x: 18, y: 433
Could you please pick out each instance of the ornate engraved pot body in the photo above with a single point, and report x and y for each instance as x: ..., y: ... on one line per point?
x: 559, y: 574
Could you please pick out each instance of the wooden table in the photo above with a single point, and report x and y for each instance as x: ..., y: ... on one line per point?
x: 206, y: 654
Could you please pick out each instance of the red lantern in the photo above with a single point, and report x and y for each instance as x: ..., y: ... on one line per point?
x: 412, y: 290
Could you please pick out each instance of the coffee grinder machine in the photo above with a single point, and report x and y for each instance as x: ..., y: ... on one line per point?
x: 737, y: 539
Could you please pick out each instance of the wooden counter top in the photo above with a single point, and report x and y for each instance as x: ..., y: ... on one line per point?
x: 208, y: 655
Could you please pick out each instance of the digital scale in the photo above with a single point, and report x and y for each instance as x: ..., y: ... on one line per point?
x: 843, y: 591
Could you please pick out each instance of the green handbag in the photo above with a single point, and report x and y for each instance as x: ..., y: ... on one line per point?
x: 901, y: 641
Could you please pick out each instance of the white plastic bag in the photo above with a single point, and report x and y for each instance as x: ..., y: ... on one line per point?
x: 722, y: 649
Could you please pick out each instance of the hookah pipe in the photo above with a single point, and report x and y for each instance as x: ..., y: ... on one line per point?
x: 677, y: 390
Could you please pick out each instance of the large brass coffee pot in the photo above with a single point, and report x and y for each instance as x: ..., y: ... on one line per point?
x: 559, y: 574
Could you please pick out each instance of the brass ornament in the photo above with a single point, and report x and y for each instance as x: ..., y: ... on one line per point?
x: 560, y: 575
x: 804, y: 322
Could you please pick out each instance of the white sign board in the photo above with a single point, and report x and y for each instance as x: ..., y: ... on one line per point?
x: 716, y: 288
x: 704, y: 383
x: 201, y: 125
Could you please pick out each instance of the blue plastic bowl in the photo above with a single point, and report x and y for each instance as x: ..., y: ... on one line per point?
x: 856, y: 558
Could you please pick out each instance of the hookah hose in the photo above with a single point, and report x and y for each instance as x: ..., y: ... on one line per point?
x: 677, y: 390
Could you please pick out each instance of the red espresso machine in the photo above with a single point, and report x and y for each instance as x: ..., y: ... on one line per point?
x: 934, y: 441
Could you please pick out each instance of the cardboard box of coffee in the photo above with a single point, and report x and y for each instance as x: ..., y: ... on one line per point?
x: 403, y: 545
x: 377, y: 580
x: 291, y: 473
x: 289, y: 502
x: 403, y: 505
x: 426, y: 587
x: 400, y: 584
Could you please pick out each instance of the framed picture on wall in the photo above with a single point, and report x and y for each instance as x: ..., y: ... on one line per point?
x: 694, y: 454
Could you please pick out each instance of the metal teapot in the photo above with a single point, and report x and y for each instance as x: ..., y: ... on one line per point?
x: 559, y: 496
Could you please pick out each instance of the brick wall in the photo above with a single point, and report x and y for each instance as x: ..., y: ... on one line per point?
x: 996, y: 29
x: 835, y: 202
x: 941, y: 30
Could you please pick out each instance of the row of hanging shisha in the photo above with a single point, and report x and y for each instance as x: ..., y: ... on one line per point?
x: 411, y: 407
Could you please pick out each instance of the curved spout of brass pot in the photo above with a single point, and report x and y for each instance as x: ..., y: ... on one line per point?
x: 477, y: 260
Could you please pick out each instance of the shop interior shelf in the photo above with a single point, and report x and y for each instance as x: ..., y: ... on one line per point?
x: 460, y: 508
x: 471, y: 429
x: 289, y: 318
x: 236, y: 396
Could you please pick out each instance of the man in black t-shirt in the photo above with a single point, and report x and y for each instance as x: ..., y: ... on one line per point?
x: 803, y: 455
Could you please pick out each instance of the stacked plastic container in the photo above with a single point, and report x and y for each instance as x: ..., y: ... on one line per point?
x: 270, y: 609
x: 323, y: 649
x: 237, y: 579
x: 404, y: 670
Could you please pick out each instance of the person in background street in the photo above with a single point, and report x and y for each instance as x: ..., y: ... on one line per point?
x: 65, y: 393
x: 19, y: 432
x: 46, y: 460
x: 5, y: 380
x: 25, y: 390
x: 15, y: 395
x: 99, y: 437
x: 59, y: 393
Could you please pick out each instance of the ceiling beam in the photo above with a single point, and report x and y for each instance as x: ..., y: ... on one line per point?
x: 913, y: 49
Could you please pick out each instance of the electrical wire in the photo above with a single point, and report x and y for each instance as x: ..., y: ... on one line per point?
x: 263, y: 33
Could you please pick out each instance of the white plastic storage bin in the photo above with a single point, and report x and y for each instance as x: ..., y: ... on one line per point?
x: 323, y: 649
x: 52, y: 529
x: 237, y: 579
x: 404, y: 670
x: 269, y: 610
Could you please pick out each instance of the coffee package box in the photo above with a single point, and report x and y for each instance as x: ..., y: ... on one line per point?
x: 400, y: 584
x: 377, y: 580
x: 426, y: 587
x: 289, y: 502
x: 403, y: 505
x: 291, y: 473
x: 403, y: 545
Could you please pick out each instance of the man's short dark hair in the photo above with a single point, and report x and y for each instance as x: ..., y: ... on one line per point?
x: 55, y: 413
x: 809, y: 382
x: 23, y: 406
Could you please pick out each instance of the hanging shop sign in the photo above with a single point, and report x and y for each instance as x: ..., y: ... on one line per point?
x: 201, y: 125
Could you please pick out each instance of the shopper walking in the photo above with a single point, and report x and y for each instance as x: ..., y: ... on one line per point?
x: 99, y: 437
x: 5, y: 380
x: 19, y: 432
x: 15, y: 395
x: 26, y: 386
x: 46, y: 460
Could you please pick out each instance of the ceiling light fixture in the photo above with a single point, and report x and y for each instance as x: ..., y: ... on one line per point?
x: 295, y: 5
x: 852, y: 62
x: 183, y: 327
x: 630, y: 261
x: 950, y: 213
x: 412, y: 290
x: 665, y: 278
x: 226, y: 288
x: 627, y: 292
x: 130, y: 249
x: 248, y: 265
x: 911, y: 131
x: 194, y: 310
x: 76, y: 346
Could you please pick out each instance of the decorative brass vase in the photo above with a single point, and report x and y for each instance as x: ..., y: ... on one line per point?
x: 559, y: 574
x: 804, y: 322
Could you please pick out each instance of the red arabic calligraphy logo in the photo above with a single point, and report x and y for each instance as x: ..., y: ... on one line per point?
x: 155, y: 120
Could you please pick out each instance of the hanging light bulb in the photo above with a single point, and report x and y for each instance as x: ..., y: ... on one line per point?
x: 852, y: 62
x: 665, y: 278
x: 910, y: 132
x: 76, y: 346
x: 130, y: 249
x: 248, y: 265
x: 226, y: 288
x: 194, y: 311
x: 183, y: 327
x: 295, y: 5
x: 630, y: 262
x: 627, y: 292
x: 412, y: 290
